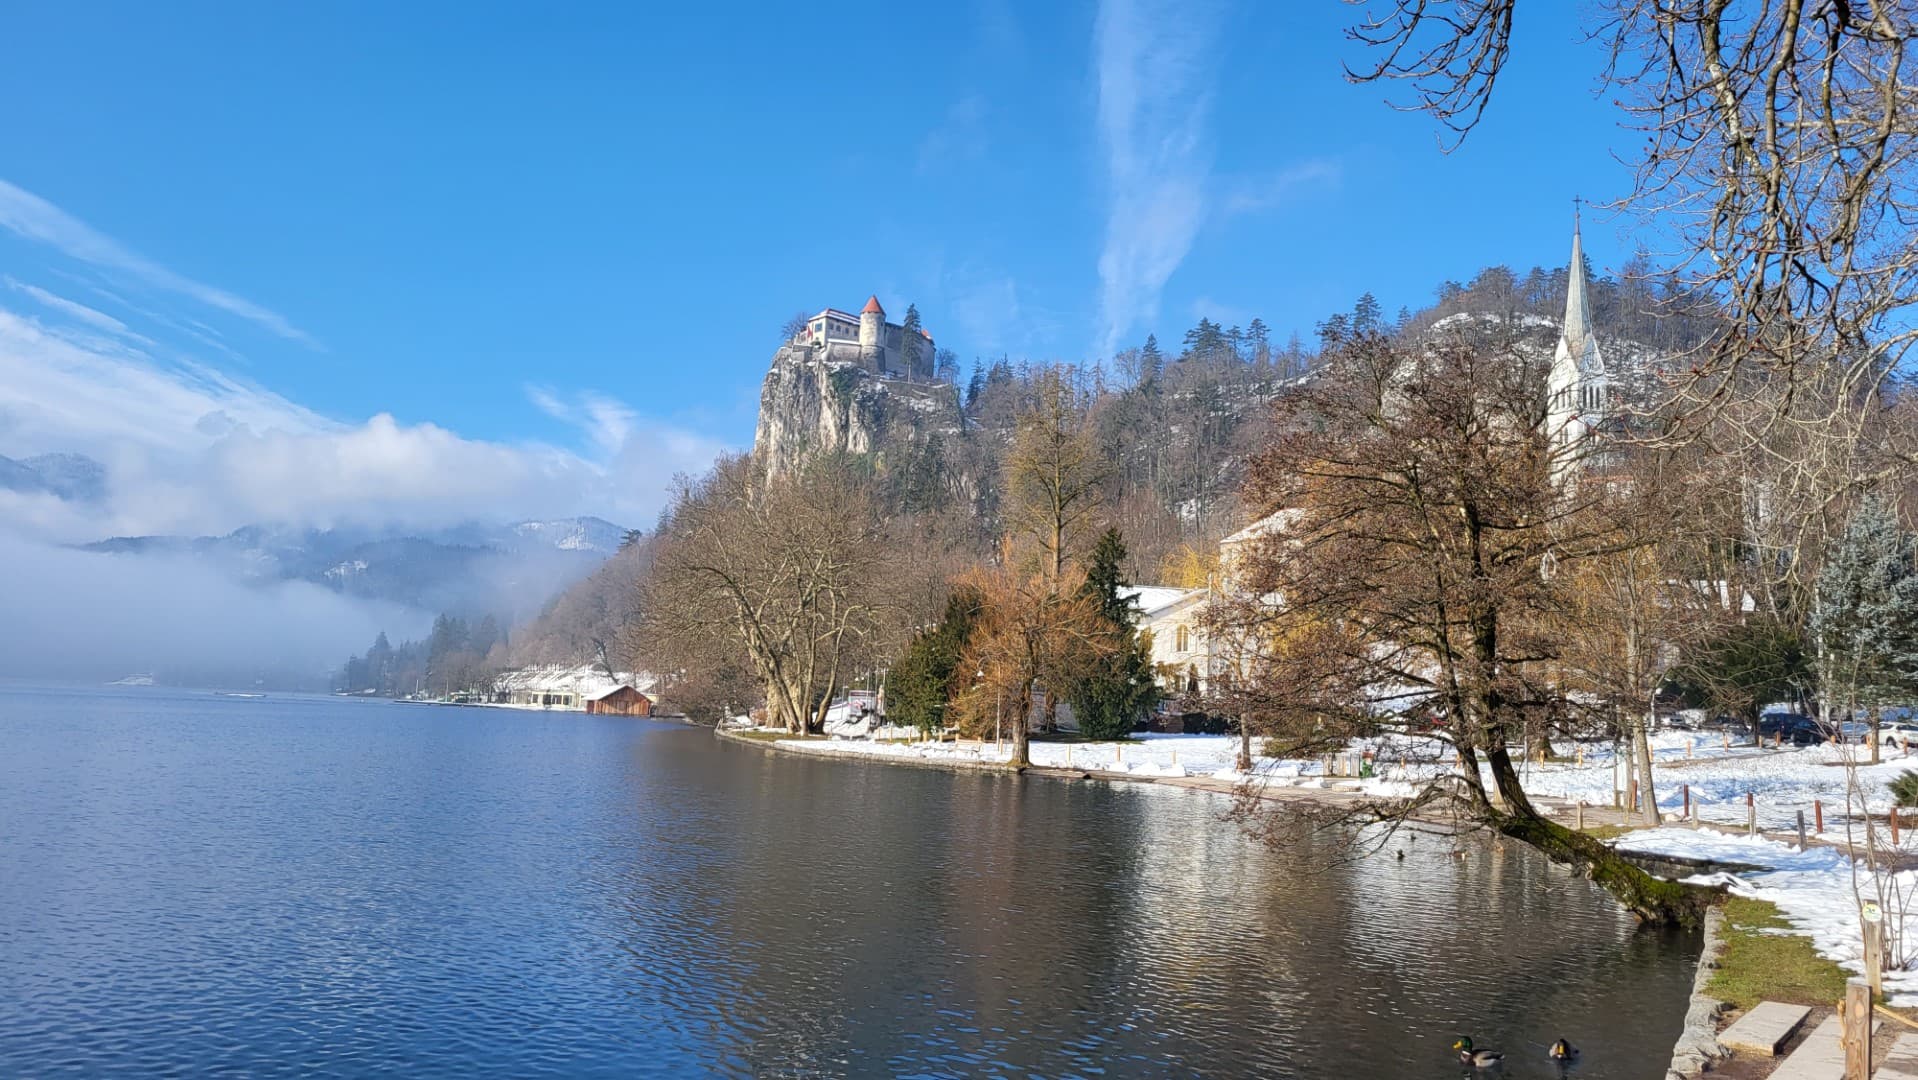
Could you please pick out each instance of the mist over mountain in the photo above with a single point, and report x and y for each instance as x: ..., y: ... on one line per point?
x: 68, y: 477
x: 508, y: 569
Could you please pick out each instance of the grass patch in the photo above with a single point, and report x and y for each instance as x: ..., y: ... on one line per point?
x: 1611, y: 832
x: 1757, y: 966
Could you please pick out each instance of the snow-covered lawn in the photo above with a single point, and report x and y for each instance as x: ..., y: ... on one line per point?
x: 1813, y: 889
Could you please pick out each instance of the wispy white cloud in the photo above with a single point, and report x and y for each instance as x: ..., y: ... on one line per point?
x: 191, y: 448
x: 97, y: 319
x: 1151, y: 59
x: 36, y: 219
x: 607, y: 422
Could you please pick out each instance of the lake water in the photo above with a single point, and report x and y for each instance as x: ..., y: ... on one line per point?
x: 192, y: 884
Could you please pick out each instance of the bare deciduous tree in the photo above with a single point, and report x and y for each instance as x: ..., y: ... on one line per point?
x: 793, y: 573
x: 1416, y: 575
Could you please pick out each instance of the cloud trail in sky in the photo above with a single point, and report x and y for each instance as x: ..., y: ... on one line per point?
x: 36, y: 219
x: 1154, y: 88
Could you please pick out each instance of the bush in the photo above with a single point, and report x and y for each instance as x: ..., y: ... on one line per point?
x: 1905, y: 788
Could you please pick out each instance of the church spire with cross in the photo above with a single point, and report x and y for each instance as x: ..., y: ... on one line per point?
x: 1577, y: 395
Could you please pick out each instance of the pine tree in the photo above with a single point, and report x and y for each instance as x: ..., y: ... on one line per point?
x: 974, y: 387
x: 1115, y: 688
x: 1367, y: 316
x: 1864, y: 622
x: 629, y: 538
x: 925, y: 679
x: 1151, y: 362
x: 1258, y: 338
x: 1204, y: 341
x: 910, y: 343
x: 1334, y: 331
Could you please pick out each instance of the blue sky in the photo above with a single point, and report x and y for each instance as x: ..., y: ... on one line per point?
x: 448, y: 260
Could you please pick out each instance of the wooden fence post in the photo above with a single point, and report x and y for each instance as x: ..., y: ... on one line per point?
x: 1688, y: 747
x: 1687, y: 789
x: 1894, y: 826
x: 1855, y: 1013
x: 1818, y: 816
x: 1751, y: 814
x: 1579, y: 821
x: 1801, y: 830
x: 1632, y: 806
x: 1874, y: 953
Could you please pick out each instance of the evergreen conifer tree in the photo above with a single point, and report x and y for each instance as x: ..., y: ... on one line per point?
x: 1864, y: 620
x: 1151, y: 361
x: 1116, y: 687
x: 910, y: 343
x: 926, y: 677
x: 1367, y: 316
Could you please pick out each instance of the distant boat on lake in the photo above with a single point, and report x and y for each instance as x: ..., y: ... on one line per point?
x: 133, y: 680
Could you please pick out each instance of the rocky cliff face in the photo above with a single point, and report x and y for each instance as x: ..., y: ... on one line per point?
x: 811, y: 405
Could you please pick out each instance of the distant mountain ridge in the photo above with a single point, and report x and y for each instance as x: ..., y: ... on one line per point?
x: 473, y: 567
x: 72, y: 477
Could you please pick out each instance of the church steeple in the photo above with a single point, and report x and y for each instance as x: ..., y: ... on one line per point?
x: 1577, y: 396
x: 1578, y: 310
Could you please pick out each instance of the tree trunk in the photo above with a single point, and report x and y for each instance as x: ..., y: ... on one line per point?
x: 1652, y: 899
x: 1642, y: 750
x: 1021, y: 736
x: 1244, y: 764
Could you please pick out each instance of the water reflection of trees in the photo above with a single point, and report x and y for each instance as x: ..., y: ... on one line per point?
x: 822, y: 916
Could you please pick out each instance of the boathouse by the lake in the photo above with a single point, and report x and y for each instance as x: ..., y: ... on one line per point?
x: 620, y: 701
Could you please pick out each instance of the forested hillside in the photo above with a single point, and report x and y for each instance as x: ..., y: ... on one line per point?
x: 1172, y: 426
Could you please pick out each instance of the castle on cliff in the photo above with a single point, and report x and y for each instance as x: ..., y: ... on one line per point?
x: 868, y: 340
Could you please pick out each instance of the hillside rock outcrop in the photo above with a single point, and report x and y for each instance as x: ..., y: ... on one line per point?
x: 811, y: 405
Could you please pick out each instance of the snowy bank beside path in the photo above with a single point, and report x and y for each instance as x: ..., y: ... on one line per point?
x: 1813, y: 890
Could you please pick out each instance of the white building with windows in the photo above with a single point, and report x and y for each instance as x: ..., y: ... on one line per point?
x: 868, y: 340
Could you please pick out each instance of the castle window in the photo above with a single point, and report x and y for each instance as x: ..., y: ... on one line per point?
x: 1183, y: 638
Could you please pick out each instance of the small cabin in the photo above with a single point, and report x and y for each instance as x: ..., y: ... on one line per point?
x: 620, y: 701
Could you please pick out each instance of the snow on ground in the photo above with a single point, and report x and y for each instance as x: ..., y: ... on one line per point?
x: 1814, y: 890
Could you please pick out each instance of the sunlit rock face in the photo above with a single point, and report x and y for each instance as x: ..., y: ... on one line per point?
x: 813, y: 404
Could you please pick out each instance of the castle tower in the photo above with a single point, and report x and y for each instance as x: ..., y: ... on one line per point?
x: 872, y: 335
x: 1577, y: 395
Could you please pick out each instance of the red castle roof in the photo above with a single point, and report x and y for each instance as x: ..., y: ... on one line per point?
x: 872, y: 305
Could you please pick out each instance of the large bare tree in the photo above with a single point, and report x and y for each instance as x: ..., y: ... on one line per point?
x: 793, y: 573
x: 1418, y: 572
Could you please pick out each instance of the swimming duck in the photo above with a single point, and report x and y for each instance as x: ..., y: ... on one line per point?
x: 1480, y: 1059
x: 1562, y: 1051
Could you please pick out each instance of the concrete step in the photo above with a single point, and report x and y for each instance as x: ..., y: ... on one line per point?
x: 1902, y: 1062
x: 1820, y: 1057
x: 1764, y: 1029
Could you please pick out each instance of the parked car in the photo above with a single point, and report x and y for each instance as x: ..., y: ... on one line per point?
x: 1783, y: 723
x: 1805, y: 732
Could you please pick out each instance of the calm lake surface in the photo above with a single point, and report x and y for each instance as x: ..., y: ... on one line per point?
x: 194, y: 884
